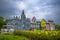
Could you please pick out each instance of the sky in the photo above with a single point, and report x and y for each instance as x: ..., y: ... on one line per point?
x: 47, y: 9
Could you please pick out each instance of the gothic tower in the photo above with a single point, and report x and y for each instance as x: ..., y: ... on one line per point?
x: 23, y: 17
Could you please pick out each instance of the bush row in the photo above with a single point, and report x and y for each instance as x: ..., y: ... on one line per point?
x: 39, y: 35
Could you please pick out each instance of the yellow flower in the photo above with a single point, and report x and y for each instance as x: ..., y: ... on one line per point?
x: 46, y: 32
x: 38, y: 32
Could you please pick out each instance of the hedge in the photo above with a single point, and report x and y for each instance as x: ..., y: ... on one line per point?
x: 39, y: 34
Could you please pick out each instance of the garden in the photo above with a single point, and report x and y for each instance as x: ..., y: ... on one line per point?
x: 31, y: 35
x: 39, y: 34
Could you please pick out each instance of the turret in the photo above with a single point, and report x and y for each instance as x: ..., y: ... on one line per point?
x: 34, y: 19
x: 23, y: 17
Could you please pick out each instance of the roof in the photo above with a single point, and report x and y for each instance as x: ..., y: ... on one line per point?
x: 50, y: 20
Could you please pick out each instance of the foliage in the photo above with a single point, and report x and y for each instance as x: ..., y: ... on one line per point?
x: 39, y: 34
x: 43, y: 23
x: 2, y: 22
x: 38, y: 22
x: 57, y: 27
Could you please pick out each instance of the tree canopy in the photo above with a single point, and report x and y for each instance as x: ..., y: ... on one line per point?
x: 2, y: 22
x: 43, y: 23
x: 57, y: 27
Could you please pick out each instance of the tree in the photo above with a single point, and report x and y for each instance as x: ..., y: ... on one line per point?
x: 43, y: 23
x: 39, y: 24
x: 2, y: 22
x: 57, y: 27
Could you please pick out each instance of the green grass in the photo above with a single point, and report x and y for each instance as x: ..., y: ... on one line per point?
x: 12, y: 37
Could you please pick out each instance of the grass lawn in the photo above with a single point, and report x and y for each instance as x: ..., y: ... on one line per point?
x: 12, y: 37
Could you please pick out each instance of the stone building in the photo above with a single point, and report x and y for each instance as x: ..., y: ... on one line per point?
x: 47, y: 25
x: 50, y: 25
x: 17, y: 23
x: 24, y: 23
x: 34, y: 24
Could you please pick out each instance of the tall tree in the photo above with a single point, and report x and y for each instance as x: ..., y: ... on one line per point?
x: 2, y: 22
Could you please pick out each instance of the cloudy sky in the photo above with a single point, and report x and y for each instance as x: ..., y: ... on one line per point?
x: 47, y: 9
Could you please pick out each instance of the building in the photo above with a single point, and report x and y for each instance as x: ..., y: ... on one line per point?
x: 47, y: 25
x: 34, y: 24
x: 17, y: 23
x: 24, y: 23
x: 50, y: 25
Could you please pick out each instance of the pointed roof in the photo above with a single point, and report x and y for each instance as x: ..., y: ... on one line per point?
x: 50, y: 20
x: 34, y: 18
x: 22, y: 11
x: 43, y: 20
x: 23, y: 15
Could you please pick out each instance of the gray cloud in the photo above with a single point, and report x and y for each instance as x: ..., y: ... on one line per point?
x: 9, y: 8
x: 55, y: 14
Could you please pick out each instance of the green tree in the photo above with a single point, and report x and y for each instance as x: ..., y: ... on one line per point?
x: 43, y: 23
x: 57, y: 27
x: 2, y: 22
x: 39, y: 24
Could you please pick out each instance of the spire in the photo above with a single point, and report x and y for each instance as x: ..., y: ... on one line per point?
x: 23, y: 12
x: 23, y: 17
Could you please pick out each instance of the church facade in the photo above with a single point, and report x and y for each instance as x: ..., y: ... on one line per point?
x: 17, y: 23
x: 22, y: 23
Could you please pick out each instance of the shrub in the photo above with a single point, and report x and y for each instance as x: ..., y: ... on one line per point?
x: 39, y: 34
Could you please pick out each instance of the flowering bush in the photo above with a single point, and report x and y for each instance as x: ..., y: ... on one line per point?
x: 39, y: 34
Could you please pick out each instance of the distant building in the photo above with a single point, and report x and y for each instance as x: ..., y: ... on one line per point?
x: 47, y: 25
x: 50, y: 25
x: 17, y: 23
x: 24, y: 23
x: 7, y: 30
x: 34, y: 24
